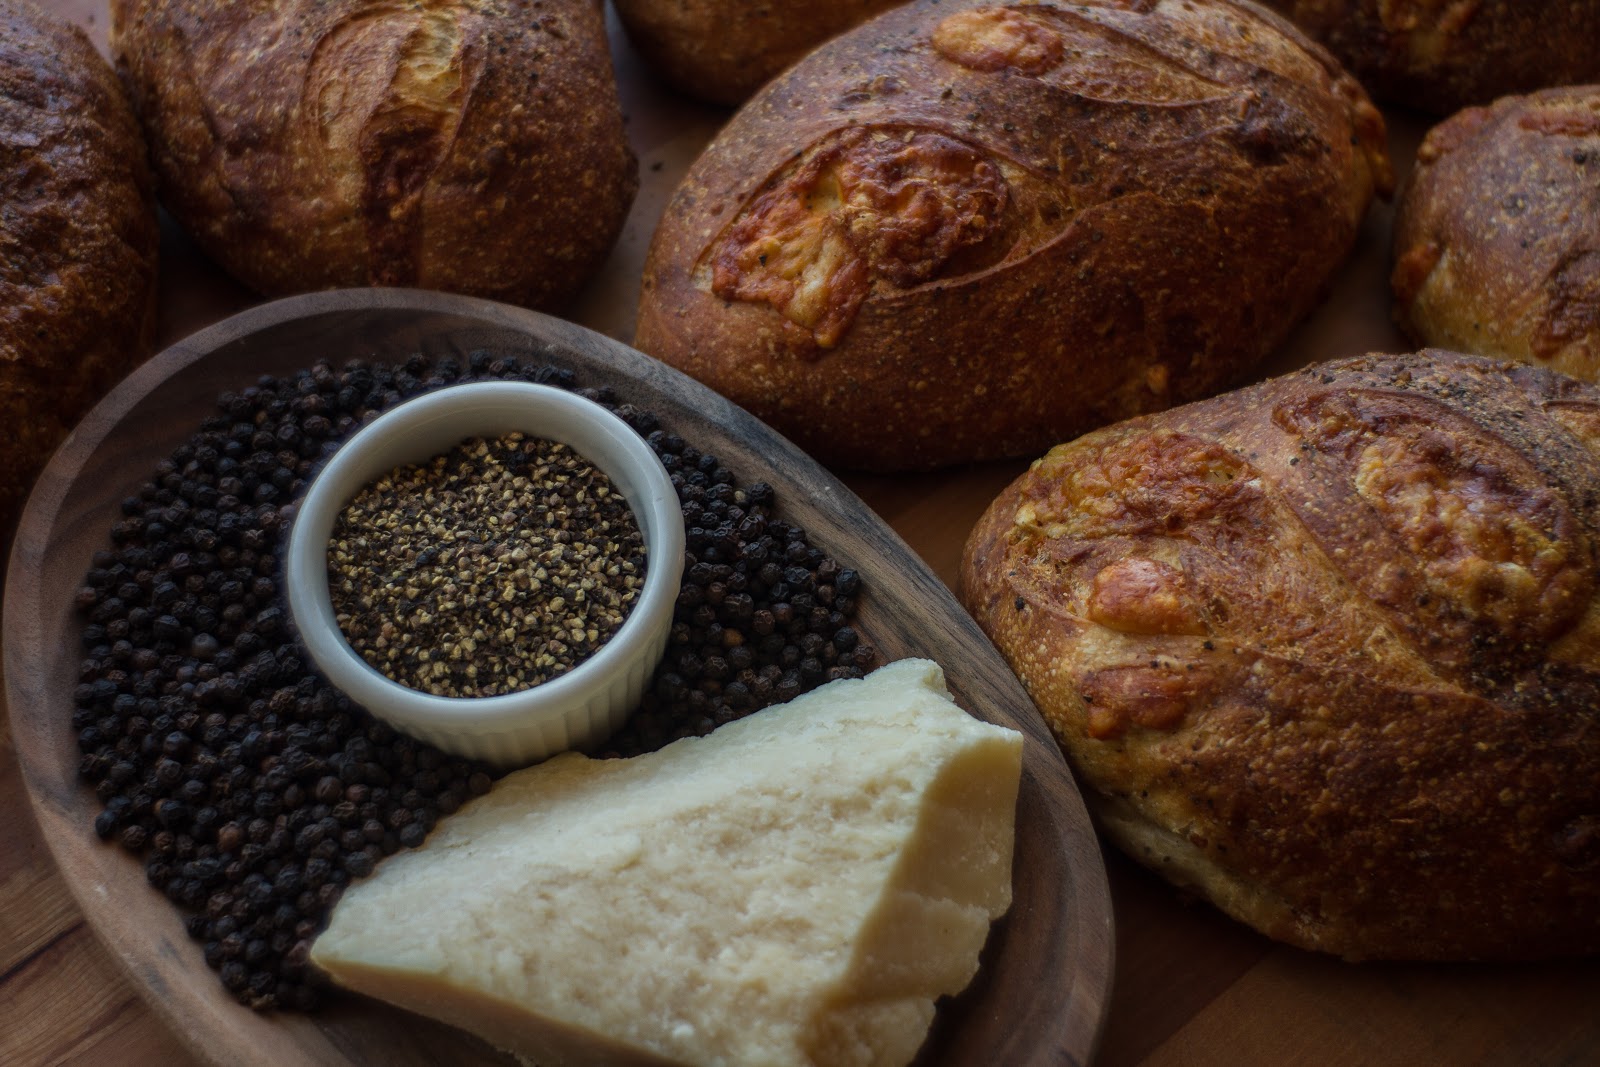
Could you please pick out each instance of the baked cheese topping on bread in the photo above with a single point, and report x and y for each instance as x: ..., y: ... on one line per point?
x: 796, y: 888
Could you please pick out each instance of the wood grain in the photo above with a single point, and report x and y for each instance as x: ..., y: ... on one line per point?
x: 1060, y: 923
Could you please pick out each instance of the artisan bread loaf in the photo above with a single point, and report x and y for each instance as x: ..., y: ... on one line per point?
x: 1497, y: 235
x: 724, y: 50
x: 1441, y: 55
x: 78, y: 239
x: 795, y: 889
x: 474, y: 146
x: 1327, y: 649
x: 963, y: 231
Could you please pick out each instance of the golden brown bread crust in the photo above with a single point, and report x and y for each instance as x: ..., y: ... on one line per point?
x: 724, y: 50
x: 963, y: 231
x: 474, y: 146
x: 78, y: 239
x: 1441, y: 55
x: 1327, y: 649
x: 1497, y: 235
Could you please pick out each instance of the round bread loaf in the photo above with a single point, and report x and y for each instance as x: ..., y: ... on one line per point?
x: 79, y: 239
x: 963, y: 231
x: 724, y: 50
x: 1327, y: 649
x: 474, y: 146
x: 1440, y: 55
x: 1497, y: 236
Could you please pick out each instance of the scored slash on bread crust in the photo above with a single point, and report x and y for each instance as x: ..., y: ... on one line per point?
x: 473, y: 146
x: 1327, y: 649
x: 968, y: 230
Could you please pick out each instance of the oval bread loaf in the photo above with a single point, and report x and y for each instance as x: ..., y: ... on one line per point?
x: 1497, y: 235
x: 1327, y: 649
x: 79, y: 234
x: 474, y: 146
x: 1441, y: 55
x: 724, y: 50
x: 966, y: 230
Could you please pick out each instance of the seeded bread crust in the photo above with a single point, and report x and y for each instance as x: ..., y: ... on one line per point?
x: 1497, y: 235
x: 1327, y: 649
x: 474, y: 146
x: 80, y: 240
x: 963, y: 231
x: 724, y: 50
x: 1441, y: 55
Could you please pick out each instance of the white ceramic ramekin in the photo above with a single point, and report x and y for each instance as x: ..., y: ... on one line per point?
x: 579, y: 709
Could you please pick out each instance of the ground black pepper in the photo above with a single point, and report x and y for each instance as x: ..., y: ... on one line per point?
x: 490, y: 569
x: 254, y: 791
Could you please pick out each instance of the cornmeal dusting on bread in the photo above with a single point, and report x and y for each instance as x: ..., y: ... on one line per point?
x: 872, y: 207
x: 1327, y: 649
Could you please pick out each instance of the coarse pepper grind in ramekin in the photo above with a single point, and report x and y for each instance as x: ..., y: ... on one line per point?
x: 570, y: 688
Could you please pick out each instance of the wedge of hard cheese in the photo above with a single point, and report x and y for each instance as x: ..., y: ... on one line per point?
x: 796, y: 888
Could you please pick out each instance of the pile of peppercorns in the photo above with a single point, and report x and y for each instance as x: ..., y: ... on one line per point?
x: 254, y: 790
x: 762, y: 616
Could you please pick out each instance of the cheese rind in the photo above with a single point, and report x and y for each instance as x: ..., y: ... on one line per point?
x: 797, y: 888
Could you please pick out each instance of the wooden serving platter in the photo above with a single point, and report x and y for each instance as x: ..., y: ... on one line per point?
x: 1042, y: 993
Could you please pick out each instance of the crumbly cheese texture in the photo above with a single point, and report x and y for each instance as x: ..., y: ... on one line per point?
x: 797, y: 888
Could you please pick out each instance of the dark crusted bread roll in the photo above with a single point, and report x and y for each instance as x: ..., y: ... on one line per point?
x: 1441, y: 55
x: 474, y: 146
x: 724, y: 50
x: 1497, y: 235
x: 78, y: 239
x: 967, y: 230
x: 1327, y: 649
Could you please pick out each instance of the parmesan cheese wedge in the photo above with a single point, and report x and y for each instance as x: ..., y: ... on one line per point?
x: 797, y: 888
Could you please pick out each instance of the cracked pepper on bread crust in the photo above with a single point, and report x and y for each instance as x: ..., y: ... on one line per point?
x: 78, y: 239
x: 1440, y: 55
x: 1497, y: 234
x: 1327, y: 649
x: 474, y: 146
x: 963, y: 230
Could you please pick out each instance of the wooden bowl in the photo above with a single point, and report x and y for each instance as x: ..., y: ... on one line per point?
x: 1041, y: 995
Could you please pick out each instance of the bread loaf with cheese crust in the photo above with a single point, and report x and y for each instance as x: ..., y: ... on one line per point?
x: 1497, y: 234
x: 474, y: 146
x: 79, y: 235
x: 969, y: 230
x: 1441, y: 55
x: 1327, y: 649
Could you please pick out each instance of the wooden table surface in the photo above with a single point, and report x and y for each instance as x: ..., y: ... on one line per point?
x: 1192, y: 987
